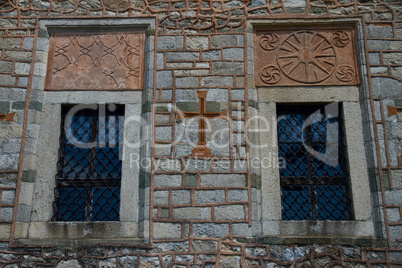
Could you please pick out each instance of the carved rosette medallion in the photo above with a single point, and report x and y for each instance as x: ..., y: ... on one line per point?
x: 97, y: 61
x: 269, y: 41
x: 340, y: 39
x: 305, y: 57
x: 345, y: 73
x: 271, y: 74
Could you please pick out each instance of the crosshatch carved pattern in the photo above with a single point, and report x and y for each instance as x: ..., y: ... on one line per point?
x: 96, y: 61
x: 305, y: 57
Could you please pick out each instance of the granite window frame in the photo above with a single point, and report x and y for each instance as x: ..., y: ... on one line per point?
x: 352, y: 99
x: 132, y: 227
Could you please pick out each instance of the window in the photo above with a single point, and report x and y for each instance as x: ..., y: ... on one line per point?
x: 314, y: 177
x: 89, y: 168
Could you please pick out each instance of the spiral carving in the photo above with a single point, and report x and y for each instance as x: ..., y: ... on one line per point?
x: 345, y: 73
x: 340, y: 39
x: 271, y: 74
x: 269, y: 41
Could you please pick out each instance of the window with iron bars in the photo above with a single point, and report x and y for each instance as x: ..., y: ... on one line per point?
x: 89, y: 168
x: 313, y: 177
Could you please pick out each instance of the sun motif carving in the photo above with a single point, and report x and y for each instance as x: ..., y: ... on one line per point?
x: 307, y: 57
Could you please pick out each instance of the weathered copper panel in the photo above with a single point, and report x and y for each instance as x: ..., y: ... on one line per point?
x: 305, y: 57
x: 96, y: 61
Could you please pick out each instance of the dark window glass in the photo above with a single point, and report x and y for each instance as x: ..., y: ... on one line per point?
x: 89, y: 167
x: 313, y: 173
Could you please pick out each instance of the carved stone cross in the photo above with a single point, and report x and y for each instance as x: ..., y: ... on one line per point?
x: 201, y: 150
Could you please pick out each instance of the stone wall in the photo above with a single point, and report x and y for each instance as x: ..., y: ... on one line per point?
x: 204, y: 213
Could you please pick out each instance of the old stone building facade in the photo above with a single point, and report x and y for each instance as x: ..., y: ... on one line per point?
x: 170, y: 133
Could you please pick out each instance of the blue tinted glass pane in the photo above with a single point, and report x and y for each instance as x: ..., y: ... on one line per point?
x: 71, y: 204
x: 331, y: 203
x: 106, y: 204
x: 296, y: 203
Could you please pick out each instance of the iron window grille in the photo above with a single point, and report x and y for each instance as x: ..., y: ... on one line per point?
x: 313, y: 174
x: 89, y: 167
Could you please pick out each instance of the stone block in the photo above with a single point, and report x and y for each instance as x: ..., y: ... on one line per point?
x: 161, y: 197
x: 225, y: 67
x: 197, y: 42
x: 238, y: 195
x: 4, y: 106
x: 191, y: 181
x: 212, y: 55
x: 7, y: 80
x: 164, y: 79
x: 184, y: 82
x: 204, y: 246
x: 6, y: 214
x: 163, y: 133
x: 209, y: 196
x: 22, y: 68
x: 230, y: 212
x: 226, y: 40
x: 380, y: 31
x: 210, y: 229
x: 231, y: 180
x: 233, y: 54
x: 12, y: 42
x: 168, y: 165
x: 392, y: 58
x: 168, y: 180
x: 181, y: 197
x: 192, y: 213
x: 9, y: 161
x: 164, y: 230
x: 180, y: 56
x: 6, y: 66
x: 170, y: 42
x: 218, y: 81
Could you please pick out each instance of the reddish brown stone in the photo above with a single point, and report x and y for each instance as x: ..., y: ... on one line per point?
x: 97, y: 61
x: 305, y: 57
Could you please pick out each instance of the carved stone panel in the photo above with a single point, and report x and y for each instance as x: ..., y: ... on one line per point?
x: 96, y: 61
x: 305, y: 57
